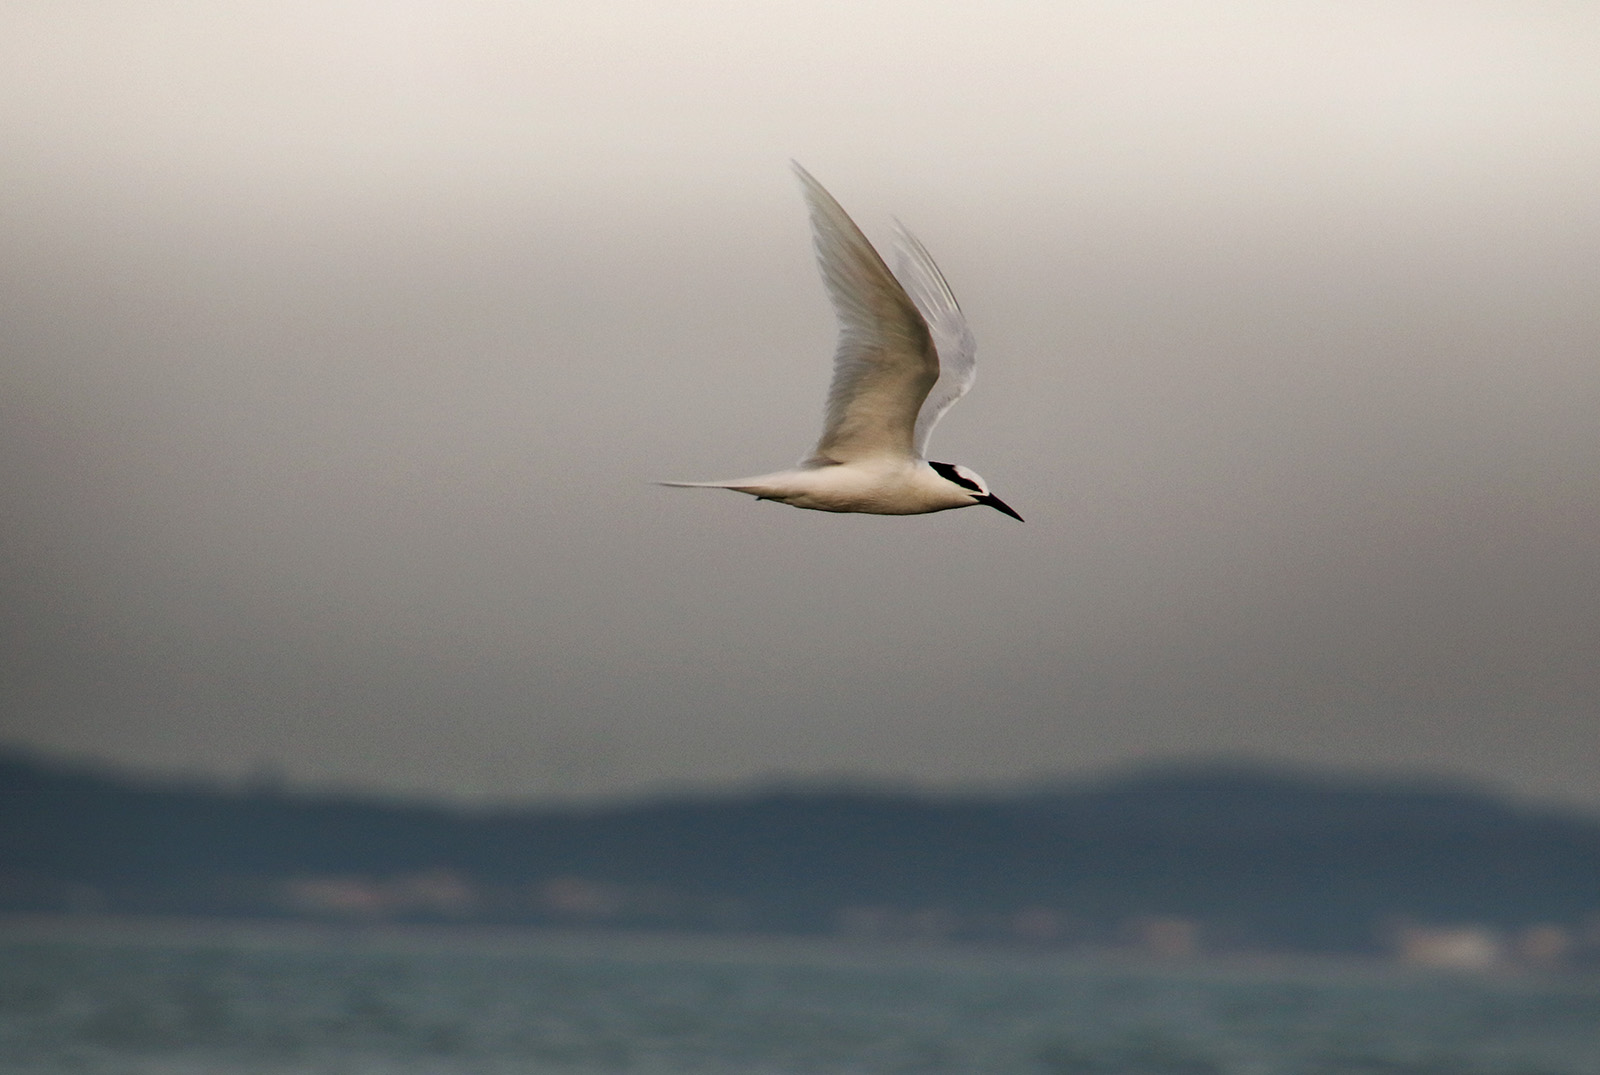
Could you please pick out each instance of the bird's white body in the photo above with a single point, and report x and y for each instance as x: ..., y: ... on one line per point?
x: 905, y: 356
x: 883, y: 486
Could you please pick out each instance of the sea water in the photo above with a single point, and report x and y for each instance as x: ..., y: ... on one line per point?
x: 383, y: 1003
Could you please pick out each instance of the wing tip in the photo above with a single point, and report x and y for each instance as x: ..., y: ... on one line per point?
x: 808, y: 181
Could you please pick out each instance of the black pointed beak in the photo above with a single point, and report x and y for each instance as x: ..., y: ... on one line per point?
x: 999, y: 505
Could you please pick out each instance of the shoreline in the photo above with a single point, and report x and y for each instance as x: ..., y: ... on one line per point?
x: 511, y: 941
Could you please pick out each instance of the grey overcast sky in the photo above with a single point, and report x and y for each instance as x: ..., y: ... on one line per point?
x: 341, y: 341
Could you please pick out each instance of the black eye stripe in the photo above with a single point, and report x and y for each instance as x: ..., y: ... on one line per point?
x: 949, y: 473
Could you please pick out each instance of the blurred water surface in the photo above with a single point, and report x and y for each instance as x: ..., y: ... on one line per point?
x: 364, y: 1003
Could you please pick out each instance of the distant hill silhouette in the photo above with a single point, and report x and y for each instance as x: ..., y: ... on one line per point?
x: 1250, y: 858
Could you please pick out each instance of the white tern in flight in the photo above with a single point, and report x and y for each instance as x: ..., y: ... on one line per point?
x: 905, y: 356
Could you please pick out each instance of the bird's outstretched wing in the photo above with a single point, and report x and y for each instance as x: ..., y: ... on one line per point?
x: 952, y: 339
x: 886, y: 362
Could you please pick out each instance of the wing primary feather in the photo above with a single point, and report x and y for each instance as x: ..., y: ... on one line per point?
x: 886, y: 360
x: 947, y: 325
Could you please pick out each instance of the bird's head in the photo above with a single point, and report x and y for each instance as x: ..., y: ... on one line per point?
x: 973, y: 485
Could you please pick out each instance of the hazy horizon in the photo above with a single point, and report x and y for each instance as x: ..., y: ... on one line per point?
x: 342, y: 343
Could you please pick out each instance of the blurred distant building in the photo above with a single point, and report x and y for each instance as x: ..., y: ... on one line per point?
x: 1544, y: 946
x: 432, y: 893
x: 1166, y: 936
x: 343, y: 897
x: 1453, y: 947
